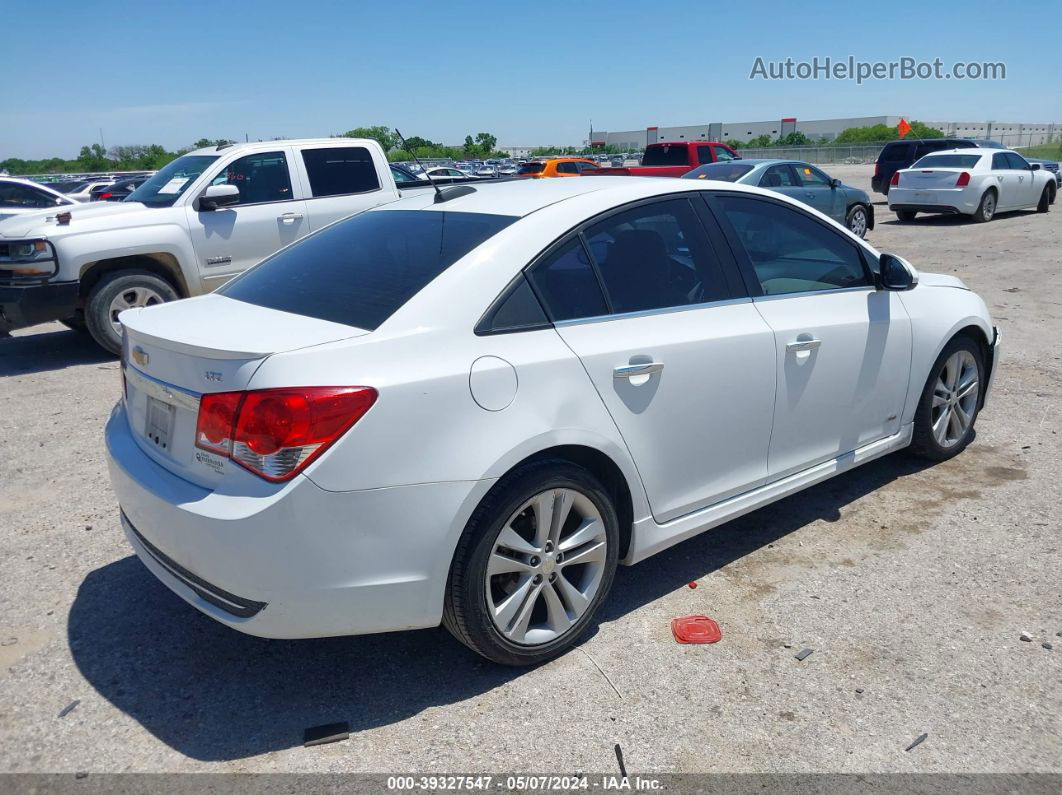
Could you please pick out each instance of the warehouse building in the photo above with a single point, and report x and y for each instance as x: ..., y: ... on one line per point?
x: 1009, y: 133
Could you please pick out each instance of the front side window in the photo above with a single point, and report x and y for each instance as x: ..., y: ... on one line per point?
x: 172, y: 180
x: 791, y: 252
x: 655, y: 256
x: 780, y: 176
x: 723, y: 155
x: 704, y: 155
x: 360, y: 271
x: 338, y: 171
x: 811, y: 176
x: 26, y: 197
x: 1016, y: 161
x: 261, y: 177
x: 584, y: 167
x: 567, y: 284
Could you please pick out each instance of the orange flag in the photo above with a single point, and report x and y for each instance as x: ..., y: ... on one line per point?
x: 903, y: 127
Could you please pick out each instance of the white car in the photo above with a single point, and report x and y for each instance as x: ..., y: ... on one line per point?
x: 20, y: 196
x: 975, y: 182
x: 445, y: 173
x: 470, y: 409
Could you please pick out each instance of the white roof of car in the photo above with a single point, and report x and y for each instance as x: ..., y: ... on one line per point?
x: 258, y: 146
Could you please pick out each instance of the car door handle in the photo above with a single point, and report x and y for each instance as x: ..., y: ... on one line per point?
x: 803, y: 345
x: 635, y: 370
x: 290, y: 218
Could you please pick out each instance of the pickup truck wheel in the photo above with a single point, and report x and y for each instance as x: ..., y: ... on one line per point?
x: 119, y: 291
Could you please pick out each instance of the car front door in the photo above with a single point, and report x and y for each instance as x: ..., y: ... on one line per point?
x: 819, y: 191
x: 1027, y: 193
x: 1006, y: 182
x: 678, y: 353
x: 339, y: 181
x: 782, y: 179
x: 267, y: 217
x: 843, y: 347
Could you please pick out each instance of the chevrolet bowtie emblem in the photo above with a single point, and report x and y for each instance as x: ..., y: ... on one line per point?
x: 140, y: 356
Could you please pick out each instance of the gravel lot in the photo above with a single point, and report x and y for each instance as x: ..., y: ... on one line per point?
x: 911, y: 584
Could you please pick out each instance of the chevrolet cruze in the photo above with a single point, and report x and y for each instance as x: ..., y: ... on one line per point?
x: 468, y: 407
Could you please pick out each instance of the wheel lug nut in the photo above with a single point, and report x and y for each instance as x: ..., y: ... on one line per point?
x: 534, y: 560
x: 553, y: 577
x: 537, y: 579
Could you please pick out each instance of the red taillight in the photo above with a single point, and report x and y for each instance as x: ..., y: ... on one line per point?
x: 104, y: 196
x: 276, y: 433
x: 963, y: 180
x: 895, y: 178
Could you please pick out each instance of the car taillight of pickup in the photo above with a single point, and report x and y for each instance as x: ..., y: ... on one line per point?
x: 672, y: 159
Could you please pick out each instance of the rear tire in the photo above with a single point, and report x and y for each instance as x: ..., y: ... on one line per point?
x: 117, y: 291
x: 1046, y: 200
x: 986, y: 208
x: 950, y: 402
x: 906, y: 216
x: 503, y: 570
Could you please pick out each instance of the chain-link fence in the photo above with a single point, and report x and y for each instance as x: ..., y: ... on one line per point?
x: 834, y: 154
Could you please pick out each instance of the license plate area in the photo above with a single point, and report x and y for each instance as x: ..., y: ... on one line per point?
x: 158, y: 423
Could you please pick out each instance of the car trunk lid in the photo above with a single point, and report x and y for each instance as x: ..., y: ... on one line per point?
x: 930, y: 178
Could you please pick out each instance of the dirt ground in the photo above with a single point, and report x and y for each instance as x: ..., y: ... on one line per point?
x: 912, y: 584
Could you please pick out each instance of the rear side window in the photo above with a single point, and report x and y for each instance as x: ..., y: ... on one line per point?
x: 531, y: 168
x: 518, y: 310
x: 897, y: 153
x: 362, y: 270
x: 999, y: 161
x: 704, y: 154
x: 568, y: 285
x: 337, y: 171
x: 665, y: 155
x: 568, y: 168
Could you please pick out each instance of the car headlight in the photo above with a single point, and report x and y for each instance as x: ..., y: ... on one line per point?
x: 28, y: 258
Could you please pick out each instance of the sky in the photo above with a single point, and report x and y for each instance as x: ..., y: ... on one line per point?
x: 531, y: 73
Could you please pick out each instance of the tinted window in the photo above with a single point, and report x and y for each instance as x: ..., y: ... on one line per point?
x: 336, y: 171
x: 665, y: 155
x: 518, y: 310
x: 780, y: 176
x: 726, y: 172
x: 811, y: 176
x: 360, y: 271
x: 14, y: 195
x: 531, y: 168
x: 1016, y: 161
x: 790, y: 252
x: 655, y: 256
x: 567, y: 168
x: 947, y: 161
x: 173, y: 179
x: 704, y: 154
x: 401, y: 175
x: 584, y: 167
x: 566, y: 282
x: 999, y: 161
x: 261, y: 177
x: 723, y: 155
x: 896, y: 153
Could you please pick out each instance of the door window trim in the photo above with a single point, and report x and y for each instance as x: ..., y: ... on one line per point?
x: 748, y: 271
x: 308, y: 187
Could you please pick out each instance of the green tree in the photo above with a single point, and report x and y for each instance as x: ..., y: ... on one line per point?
x: 382, y: 135
x: 485, y: 142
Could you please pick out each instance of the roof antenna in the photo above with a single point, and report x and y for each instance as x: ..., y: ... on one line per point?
x: 451, y: 193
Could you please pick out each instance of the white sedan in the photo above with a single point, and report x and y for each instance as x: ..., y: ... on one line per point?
x: 19, y: 196
x: 975, y: 182
x: 469, y: 407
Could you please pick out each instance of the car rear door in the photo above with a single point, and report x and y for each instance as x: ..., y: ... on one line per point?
x: 269, y: 215
x: 340, y: 181
x: 843, y: 347
x: 1006, y: 182
x: 681, y: 358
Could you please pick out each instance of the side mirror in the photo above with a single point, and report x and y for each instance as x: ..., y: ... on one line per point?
x: 1034, y: 166
x: 895, y: 273
x: 218, y: 196
x: 835, y: 183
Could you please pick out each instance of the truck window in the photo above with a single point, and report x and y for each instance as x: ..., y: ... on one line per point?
x: 262, y: 177
x: 722, y: 154
x: 666, y: 155
x: 337, y: 171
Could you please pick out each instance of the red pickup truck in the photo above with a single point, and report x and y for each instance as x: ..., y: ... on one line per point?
x: 673, y: 159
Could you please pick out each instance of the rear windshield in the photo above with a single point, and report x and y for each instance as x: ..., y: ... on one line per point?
x: 532, y: 168
x: 666, y: 156
x: 362, y: 270
x: 726, y: 172
x: 947, y: 161
x: 895, y: 153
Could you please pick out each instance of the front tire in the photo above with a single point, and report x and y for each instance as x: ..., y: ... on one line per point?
x: 856, y: 220
x: 116, y: 292
x: 533, y: 565
x: 950, y: 402
x: 986, y: 209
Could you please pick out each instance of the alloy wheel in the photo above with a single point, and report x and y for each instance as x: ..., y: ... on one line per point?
x: 546, y: 566
x: 954, y: 398
x: 857, y: 224
x: 989, y: 206
x: 130, y: 299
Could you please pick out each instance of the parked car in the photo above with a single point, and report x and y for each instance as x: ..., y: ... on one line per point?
x: 978, y: 183
x: 557, y: 167
x: 487, y: 171
x: 202, y: 219
x: 507, y: 170
x: 617, y: 161
x: 84, y: 192
x: 446, y: 174
x: 1048, y: 165
x: 117, y: 191
x: 901, y: 154
x: 675, y: 159
x: 848, y: 206
x: 20, y: 196
x: 284, y: 452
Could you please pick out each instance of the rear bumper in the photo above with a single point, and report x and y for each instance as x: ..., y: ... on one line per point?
x: 294, y: 560
x: 28, y: 305
x: 934, y: 200
x: 925, y: 208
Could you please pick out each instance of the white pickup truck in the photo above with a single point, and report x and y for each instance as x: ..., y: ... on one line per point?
x: 202, y: 219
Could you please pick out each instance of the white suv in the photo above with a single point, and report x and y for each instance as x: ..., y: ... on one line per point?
x: 202, y: 219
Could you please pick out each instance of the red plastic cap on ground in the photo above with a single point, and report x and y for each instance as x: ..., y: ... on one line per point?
x: 696, y: 629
